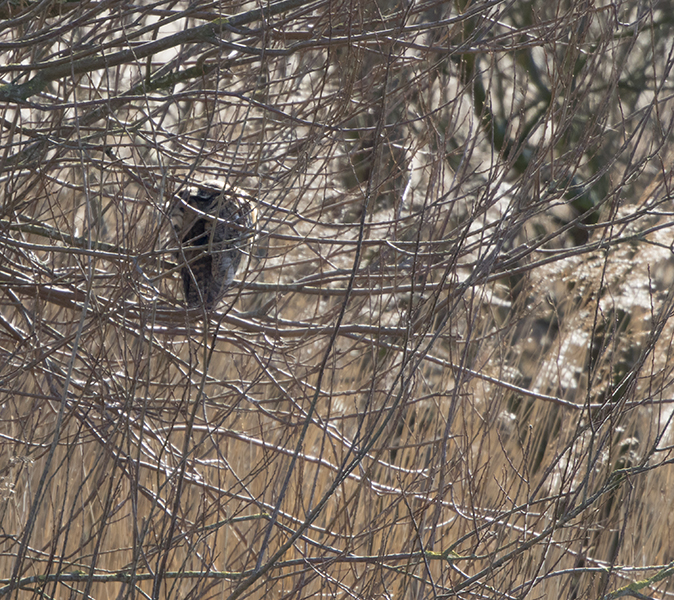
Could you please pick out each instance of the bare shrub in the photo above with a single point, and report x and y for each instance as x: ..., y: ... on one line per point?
x: 445, y: 368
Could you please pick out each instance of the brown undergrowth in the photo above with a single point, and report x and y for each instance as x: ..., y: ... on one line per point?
x: 445, y: 367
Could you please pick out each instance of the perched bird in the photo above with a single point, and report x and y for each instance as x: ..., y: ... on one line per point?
x: 214, y: 226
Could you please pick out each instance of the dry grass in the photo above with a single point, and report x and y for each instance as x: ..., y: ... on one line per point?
x: 445, y: 369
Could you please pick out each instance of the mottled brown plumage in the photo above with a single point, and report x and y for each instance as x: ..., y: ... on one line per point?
x: 214, y: 226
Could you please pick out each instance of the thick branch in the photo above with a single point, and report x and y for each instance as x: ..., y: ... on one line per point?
x: 204, y: 33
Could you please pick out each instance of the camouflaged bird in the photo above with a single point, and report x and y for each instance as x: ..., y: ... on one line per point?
x: 214, y: 226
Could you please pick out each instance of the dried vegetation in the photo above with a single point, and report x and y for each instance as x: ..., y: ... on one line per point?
x: 445, y: 370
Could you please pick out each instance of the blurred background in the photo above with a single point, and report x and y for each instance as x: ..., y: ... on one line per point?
x: 445, y: 368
